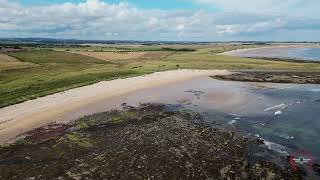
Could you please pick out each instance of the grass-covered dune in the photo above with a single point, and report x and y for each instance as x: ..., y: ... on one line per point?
x: 51, y: 71
x: 38, y: 72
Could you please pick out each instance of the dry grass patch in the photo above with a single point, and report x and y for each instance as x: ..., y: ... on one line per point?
x: 8, y: 62
x: 6, y: 58
x: 14, y: 65
x: 157, y: 54
x: 114, y: 56
x: 109, y: 56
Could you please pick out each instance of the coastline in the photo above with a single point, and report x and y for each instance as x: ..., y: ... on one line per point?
x: 272, y: 77
x: 235, y: 52
x: 137, y: 142
x: 20, y: 118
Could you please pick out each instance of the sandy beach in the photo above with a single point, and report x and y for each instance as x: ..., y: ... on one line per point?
x: 239, y: 51
x: 20, y: 118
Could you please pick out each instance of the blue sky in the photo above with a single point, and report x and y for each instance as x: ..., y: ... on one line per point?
x: 187, y: 20
x: 147, y: 4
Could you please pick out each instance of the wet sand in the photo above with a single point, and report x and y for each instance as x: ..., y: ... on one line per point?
x: 238, y: 52
x: 60, y: 107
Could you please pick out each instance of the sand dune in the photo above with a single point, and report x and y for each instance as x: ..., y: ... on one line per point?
x: 20, y: 118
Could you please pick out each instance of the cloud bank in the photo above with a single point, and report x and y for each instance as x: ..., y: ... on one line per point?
x: 96, y: 19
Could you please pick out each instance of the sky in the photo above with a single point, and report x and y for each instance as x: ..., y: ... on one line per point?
x: 168, y: 20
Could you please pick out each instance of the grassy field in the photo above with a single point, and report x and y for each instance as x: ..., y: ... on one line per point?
x: 38, y: 72
x: 52, y: 71
x: 131, y: 48
x: 116, y: 57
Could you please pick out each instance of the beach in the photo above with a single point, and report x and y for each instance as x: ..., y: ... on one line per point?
x: 20, y: 118
x: 275, y: 52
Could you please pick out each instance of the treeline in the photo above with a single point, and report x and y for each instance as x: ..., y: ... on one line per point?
x: 150, y: 48
x: 34, y: 45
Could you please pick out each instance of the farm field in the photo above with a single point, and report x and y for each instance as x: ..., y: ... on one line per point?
x: 36, y: 72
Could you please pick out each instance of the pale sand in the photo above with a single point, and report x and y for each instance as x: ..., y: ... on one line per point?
x: 20, y: 118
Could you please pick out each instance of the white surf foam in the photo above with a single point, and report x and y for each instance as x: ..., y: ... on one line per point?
x: 279, y: 106
x: 232, y: 122
x: 278, y: 113
x: 276, y: 147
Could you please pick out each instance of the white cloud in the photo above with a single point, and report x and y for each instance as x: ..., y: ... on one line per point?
x: 267, y: 26
x: 230, y: 29
x: 279, y: 7
x: 259, y: 27
x: 96, y: 19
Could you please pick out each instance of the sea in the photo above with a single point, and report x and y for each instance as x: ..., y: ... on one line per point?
x: 295, y: 53
x: 286, y: 117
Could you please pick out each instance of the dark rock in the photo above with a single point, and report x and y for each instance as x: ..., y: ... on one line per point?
x: 259, y: 141
x: 316, y: 168
x: 274, y: 76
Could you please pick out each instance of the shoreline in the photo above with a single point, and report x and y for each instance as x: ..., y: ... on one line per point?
x: 234, y: 52
x: 20, y: 118
x: 141, y: 140
x: 291, y: 60
x: 272, y: 77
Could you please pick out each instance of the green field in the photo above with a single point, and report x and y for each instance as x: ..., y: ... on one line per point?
x: 38, y: 72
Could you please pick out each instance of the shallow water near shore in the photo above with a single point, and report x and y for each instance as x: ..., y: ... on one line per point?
x: 286, y: 116
x: 299, y: 53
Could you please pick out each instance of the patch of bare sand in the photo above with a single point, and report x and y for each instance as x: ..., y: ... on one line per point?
x: 20, y: 118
